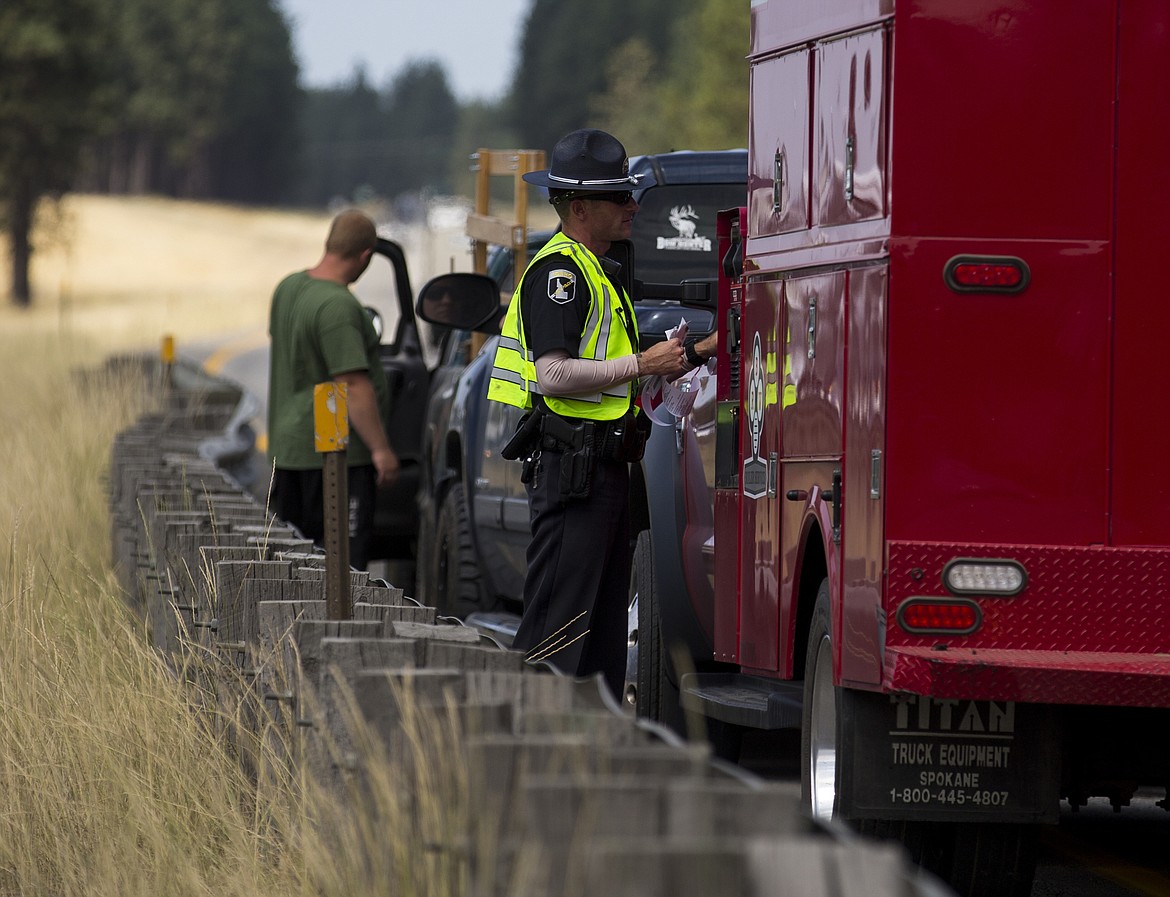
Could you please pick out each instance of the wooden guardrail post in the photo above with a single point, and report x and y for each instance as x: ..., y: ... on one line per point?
x: 331, y: 438
x: 484, y: 228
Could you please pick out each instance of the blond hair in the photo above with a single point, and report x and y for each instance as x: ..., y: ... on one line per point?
x: 351, y: 233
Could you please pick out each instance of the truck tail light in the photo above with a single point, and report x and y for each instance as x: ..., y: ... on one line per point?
x: 938, y: 616
x: 970, y: 576
x: 986, y: 274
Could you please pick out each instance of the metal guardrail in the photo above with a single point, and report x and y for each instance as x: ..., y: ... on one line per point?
x: 571, y: 794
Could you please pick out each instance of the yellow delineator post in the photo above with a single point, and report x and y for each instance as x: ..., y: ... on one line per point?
x: 166, y: 355
x: 331, y: 438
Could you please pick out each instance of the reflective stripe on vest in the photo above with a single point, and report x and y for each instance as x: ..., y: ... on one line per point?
x: 513, y: 380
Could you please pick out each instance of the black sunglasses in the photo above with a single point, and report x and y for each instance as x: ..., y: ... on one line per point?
x: 617, y: 197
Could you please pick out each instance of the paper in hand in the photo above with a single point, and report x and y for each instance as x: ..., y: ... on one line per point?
x: 664, y: 400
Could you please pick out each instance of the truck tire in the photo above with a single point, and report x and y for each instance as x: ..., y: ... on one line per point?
x: 657, y: 697
x: 424, y: 563
x: 992, y: 858
x: 976, y: 859
x: 454, y: 580
x: 819, y: 716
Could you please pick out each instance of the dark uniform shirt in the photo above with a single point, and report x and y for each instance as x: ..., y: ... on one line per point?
x: 554, y: 308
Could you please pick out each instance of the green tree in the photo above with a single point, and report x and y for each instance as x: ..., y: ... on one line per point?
x: 624, y: 109
x: 564, y: 54
x: 423, y: 116
x: 209, y: 98
x: 53, y: 88
x: 660, y: 75
x: 705, y: 94
x: 694, y: 98
x: 359, y: 140
x: 342, y: 131
x: 254, y: 154
x: 481, y: 125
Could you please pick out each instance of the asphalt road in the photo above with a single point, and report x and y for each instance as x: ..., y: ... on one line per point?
x: 1098, y: 853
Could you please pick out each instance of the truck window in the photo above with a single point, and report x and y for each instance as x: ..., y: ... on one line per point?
x: 674, y: 232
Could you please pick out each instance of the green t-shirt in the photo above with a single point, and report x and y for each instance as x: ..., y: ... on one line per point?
x: 318, y: 330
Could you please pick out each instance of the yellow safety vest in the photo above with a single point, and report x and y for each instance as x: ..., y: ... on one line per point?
x: 605, y: 336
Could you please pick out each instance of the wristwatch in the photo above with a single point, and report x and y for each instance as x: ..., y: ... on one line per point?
x: 693, y: 357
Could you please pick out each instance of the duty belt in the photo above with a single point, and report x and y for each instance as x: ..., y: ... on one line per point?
x: 623, y: 439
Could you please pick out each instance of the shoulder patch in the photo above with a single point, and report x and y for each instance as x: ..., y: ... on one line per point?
x: 562, y: 285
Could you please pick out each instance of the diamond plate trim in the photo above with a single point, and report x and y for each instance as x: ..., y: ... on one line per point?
x: 1092, y: 626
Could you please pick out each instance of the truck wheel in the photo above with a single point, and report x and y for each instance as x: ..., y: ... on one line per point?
x: 657, y: 698
x: 976, y: 859
x: 818, y: 741
x: 818, y: 724
x: 454, y: 576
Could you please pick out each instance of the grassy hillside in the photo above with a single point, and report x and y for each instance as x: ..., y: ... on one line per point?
x: 124, y: 271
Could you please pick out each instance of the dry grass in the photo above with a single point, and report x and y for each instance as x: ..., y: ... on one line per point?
x: 124, y: 271
x: 111, y: 784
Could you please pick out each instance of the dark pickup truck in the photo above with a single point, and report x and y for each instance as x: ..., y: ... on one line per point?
x: 473, y: 511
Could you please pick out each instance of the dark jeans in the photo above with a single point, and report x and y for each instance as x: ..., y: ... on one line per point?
x: 298, y: 497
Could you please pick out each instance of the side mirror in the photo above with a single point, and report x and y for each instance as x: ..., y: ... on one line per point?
x: 696, y: 293
x: 700, y: 294
x: 462, y: 301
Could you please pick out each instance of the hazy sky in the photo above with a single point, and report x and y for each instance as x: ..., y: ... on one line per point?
x: 475, y: 40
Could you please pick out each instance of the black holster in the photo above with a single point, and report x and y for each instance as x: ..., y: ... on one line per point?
x: 526, y: 439
x: 577, y: 467
x: 575, y: 442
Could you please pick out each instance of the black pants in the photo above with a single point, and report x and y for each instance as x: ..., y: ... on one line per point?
x: 576, y: 593
x: 298, y: 497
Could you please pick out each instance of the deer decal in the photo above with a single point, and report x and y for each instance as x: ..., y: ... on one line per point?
x: 684, y: 220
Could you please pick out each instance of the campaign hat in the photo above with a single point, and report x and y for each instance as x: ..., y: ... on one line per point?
x: 589, y: 159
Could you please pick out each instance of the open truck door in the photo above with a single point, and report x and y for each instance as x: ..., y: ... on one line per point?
x: 386, y: 289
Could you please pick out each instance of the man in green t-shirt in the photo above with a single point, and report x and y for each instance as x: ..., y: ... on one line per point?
x: 320, y: 332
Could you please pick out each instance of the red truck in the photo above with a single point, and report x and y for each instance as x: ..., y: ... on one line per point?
x: 927, y: 492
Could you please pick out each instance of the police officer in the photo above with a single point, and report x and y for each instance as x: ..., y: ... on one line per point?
x: 569, y: 354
